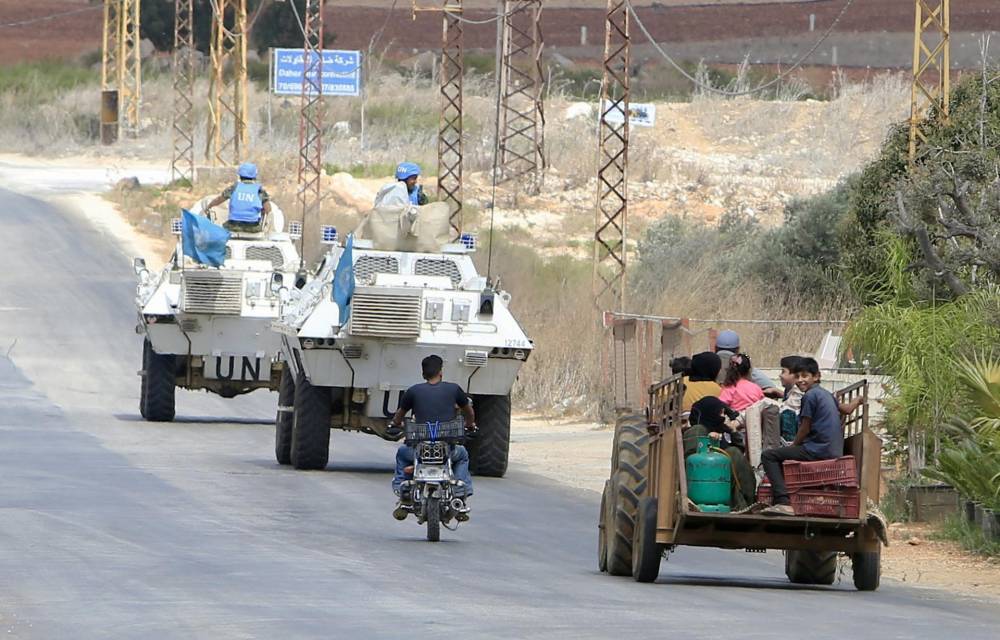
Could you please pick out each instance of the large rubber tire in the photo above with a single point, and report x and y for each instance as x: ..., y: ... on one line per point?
x: 602, y: 536
x: 156, y: 401
x: 489, y: 450
x: 867, y: 569
x: 628, y: 485
x: 310, y: 446
x: 811, y: 567
x: 433, y: 519
x: 646, y: 553
x: 285, y: 417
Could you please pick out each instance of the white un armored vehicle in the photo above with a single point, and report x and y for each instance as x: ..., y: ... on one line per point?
x: 209, y: 327
x: 415, y: 295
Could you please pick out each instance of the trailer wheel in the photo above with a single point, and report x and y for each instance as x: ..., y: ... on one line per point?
x: 811, y: 567
x: 867, y: 569
x: 489, y: 450
x: 628, y: 485
x: 602, y: 530
x: 157, y: 390
x: 283, y: 421
x: 310, y: 446
x: 646, y: 553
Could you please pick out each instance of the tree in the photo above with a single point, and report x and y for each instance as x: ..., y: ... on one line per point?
x: 279, y: 26
x: 947, y: 207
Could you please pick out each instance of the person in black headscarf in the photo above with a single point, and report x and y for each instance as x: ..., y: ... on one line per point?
x: 714, y: 415
x: 700, y: 382
x: 711, y: 417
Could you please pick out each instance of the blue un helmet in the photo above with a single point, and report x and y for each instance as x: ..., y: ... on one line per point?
x: 247, y: 171
x: 406, y: 170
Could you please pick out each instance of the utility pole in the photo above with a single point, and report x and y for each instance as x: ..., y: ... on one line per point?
x: 450, y: 127
x: 522, y: 114
x: 227, y: 126
x: 121, y: 69
x: 311, y: 117
x: 929, y: 91
x: 610, y: 250
x: 182, y: 160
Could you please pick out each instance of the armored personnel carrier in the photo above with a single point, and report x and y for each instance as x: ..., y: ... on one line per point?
x: 415, y: 294
x: 209, y: 327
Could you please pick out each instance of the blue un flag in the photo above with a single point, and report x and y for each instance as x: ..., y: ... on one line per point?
x: 343, y: 280
x: 203, y: 240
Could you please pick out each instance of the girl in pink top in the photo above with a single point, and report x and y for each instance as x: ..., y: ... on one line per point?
x: 737, y: 390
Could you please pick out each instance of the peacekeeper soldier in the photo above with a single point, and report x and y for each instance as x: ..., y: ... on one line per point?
x: 249, y: 203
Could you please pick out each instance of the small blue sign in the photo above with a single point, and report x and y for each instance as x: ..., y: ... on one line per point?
x: 341, y: 72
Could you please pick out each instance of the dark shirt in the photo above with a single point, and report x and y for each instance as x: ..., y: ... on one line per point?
x: 227, y: 193
x: 826, y: 434
x: 433, y: 402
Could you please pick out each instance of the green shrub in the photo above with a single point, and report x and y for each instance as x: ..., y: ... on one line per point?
x: 36, y: 83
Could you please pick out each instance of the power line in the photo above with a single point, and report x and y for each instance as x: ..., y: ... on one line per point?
x: 763, y: 87
x: 23, y: 23
x: 460, y: 18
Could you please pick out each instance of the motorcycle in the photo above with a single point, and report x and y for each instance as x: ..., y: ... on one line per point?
x: 432, y: 489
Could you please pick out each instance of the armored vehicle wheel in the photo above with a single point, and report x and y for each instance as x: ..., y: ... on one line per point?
x: 433, y: 506
x: 488, y: 451
x: 628, y: 484
x: 811, y: 567
x: 602, y: 530
x: 310, y: 445
x: 283, y: 421
x: 156, y: 401
x: 646, y: 553
x: 867, y: 568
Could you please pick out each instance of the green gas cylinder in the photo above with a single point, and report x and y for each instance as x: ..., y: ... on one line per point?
x: 709, y: 478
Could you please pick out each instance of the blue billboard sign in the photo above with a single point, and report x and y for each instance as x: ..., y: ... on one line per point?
x: 341, y: 72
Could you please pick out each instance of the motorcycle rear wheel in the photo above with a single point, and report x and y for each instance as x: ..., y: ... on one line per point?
x: 432, y: 511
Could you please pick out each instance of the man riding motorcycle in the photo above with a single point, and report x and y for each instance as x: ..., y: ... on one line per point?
x: 434, y: 401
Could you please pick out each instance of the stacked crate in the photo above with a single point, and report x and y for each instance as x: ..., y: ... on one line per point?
x: 824, y: 488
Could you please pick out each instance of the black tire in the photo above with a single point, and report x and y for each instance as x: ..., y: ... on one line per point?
x: 602, y: 536
x: 489, y: 450
x: 285, y: 418
x: 628, y: 485
x: 310, y: 446
x: 811, y: 567
x: 867, y: 569
x: 156, y: 402
x: 646, y: 553
x: 433, y: 515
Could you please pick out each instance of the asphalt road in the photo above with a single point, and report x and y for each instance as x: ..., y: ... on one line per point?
x: 111, y: 527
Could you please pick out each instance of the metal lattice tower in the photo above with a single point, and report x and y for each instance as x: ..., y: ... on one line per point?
x: 610, y: 251
x: 522, y: 114
x: 931, y: 66
x: 121, y: 67
x: 227, y: 126
x: 311, y: 116
x: 450, y: 128
x: 182, y: 160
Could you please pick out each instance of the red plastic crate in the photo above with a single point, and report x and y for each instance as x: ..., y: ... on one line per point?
x: 839, y: 472
x: 830, y: 502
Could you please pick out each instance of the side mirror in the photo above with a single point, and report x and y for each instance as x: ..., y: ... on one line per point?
x: 139, y: 265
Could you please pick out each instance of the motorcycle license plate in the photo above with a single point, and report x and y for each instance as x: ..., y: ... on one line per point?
x: 429, y: 473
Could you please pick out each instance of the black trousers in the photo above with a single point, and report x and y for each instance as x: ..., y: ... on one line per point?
x: 772, y: 459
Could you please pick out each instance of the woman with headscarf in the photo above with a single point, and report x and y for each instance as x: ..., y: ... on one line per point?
x: 713, y: 418
x: 700, y: 383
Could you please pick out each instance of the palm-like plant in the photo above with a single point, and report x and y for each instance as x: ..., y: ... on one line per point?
x: 970, y: 458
